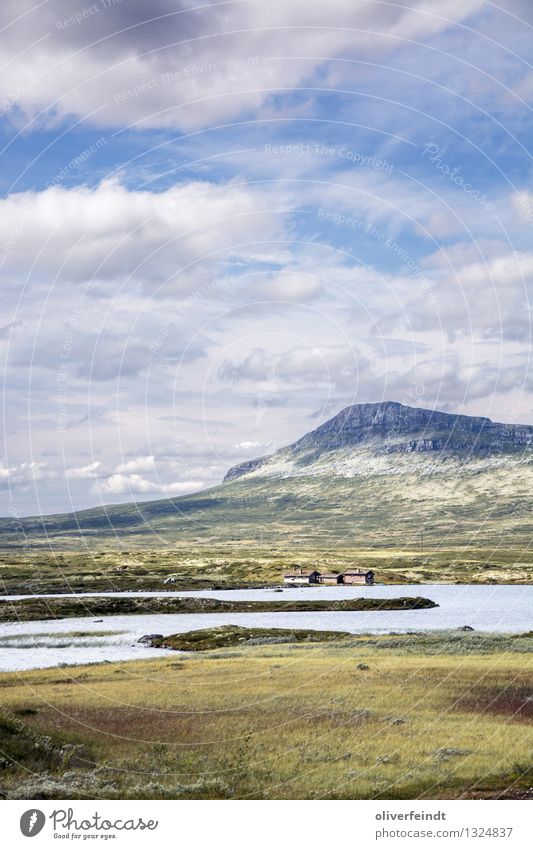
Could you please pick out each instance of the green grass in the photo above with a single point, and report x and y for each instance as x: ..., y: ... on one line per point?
x: 458, y: 505
x: 232, y: 635
x: 364, y: 717
x: 236, y: 565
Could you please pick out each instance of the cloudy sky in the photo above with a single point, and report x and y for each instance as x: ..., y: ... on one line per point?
x: 222, y: 222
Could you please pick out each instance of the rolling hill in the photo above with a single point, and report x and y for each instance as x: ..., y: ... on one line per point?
x: 374, y: 475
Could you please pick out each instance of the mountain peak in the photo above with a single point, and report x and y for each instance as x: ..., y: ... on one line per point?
x: 388, y: 427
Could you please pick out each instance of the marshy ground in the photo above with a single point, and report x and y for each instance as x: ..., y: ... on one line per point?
x: 196, y: 567
x: 434, y: 715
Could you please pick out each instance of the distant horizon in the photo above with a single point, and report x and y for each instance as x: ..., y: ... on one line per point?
x: 141, y: 501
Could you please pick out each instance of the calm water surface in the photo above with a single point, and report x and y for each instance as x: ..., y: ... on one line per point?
x: 30, y: 645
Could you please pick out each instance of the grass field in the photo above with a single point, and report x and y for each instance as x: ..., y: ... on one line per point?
x: 204, y: 567
x: 407, y: 716
x: 465, y: 501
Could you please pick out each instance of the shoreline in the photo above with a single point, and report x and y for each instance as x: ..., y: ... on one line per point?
x: 46, y: 608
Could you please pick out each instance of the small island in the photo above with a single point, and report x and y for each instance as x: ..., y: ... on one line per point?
x: 61, y: 607
x: 232, y: 635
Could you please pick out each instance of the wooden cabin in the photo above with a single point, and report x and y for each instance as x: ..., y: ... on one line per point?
x: 353, y: 576
x: 330, y: 578
x: 301, y: 578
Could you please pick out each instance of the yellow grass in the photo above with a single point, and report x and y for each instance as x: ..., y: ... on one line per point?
x: 277, y: 722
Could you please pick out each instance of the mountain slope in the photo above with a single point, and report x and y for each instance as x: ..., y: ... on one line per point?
x: 374, y: 475
x: 378, y: 430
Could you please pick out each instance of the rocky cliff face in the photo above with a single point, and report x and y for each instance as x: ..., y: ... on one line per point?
x: 244, y: 468
x: 390, y: 428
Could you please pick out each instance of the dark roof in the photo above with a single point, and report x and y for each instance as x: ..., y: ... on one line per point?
x: 299, y: 574
x: 357, y: 572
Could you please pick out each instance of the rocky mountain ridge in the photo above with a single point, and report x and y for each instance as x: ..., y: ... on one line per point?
x: 391, y: 428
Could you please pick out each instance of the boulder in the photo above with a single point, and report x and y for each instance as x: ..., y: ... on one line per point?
x: 148, y: 639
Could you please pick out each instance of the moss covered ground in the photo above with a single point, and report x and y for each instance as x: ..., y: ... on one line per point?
x: 441, y: 715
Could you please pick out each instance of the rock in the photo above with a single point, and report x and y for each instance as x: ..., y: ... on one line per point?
x: 388, y: 759
x: 466, y: 628
x: 148, y: 639
x: 397, y: 721
x: 244, y: 468
x: 445, y: 754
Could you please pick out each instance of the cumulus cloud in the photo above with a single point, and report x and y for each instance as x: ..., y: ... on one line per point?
x: 138, y: 464
x: 490, y: 298
x: 22, y: 475
x: 83, y: 472
x: 356, y: 271
x: 172, y: 65
x: 253, y: 445
x: 120, y: 484
x: 325, y: 365
x: 109, y: 232
x: 286, y: 286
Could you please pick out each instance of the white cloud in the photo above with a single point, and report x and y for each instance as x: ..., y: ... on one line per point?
x: 170, y: 65
x: 120, y: 484
x: 181, y: 487
x: 139, y: 464
x: 487, y: 299
x: 324, y: 365
x: 289, y: 286
x: 22, y: 475
x: 168, y: 238
x: 83, y: 472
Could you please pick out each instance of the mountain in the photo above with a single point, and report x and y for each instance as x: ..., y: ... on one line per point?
x: 374, y: 475
x: 343, y: 443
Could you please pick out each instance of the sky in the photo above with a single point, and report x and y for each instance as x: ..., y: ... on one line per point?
x: 221, y: 223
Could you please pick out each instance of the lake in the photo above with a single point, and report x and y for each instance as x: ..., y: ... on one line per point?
x: 30, y: 645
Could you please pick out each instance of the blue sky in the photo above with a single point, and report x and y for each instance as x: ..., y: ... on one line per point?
x: 221, y: 223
